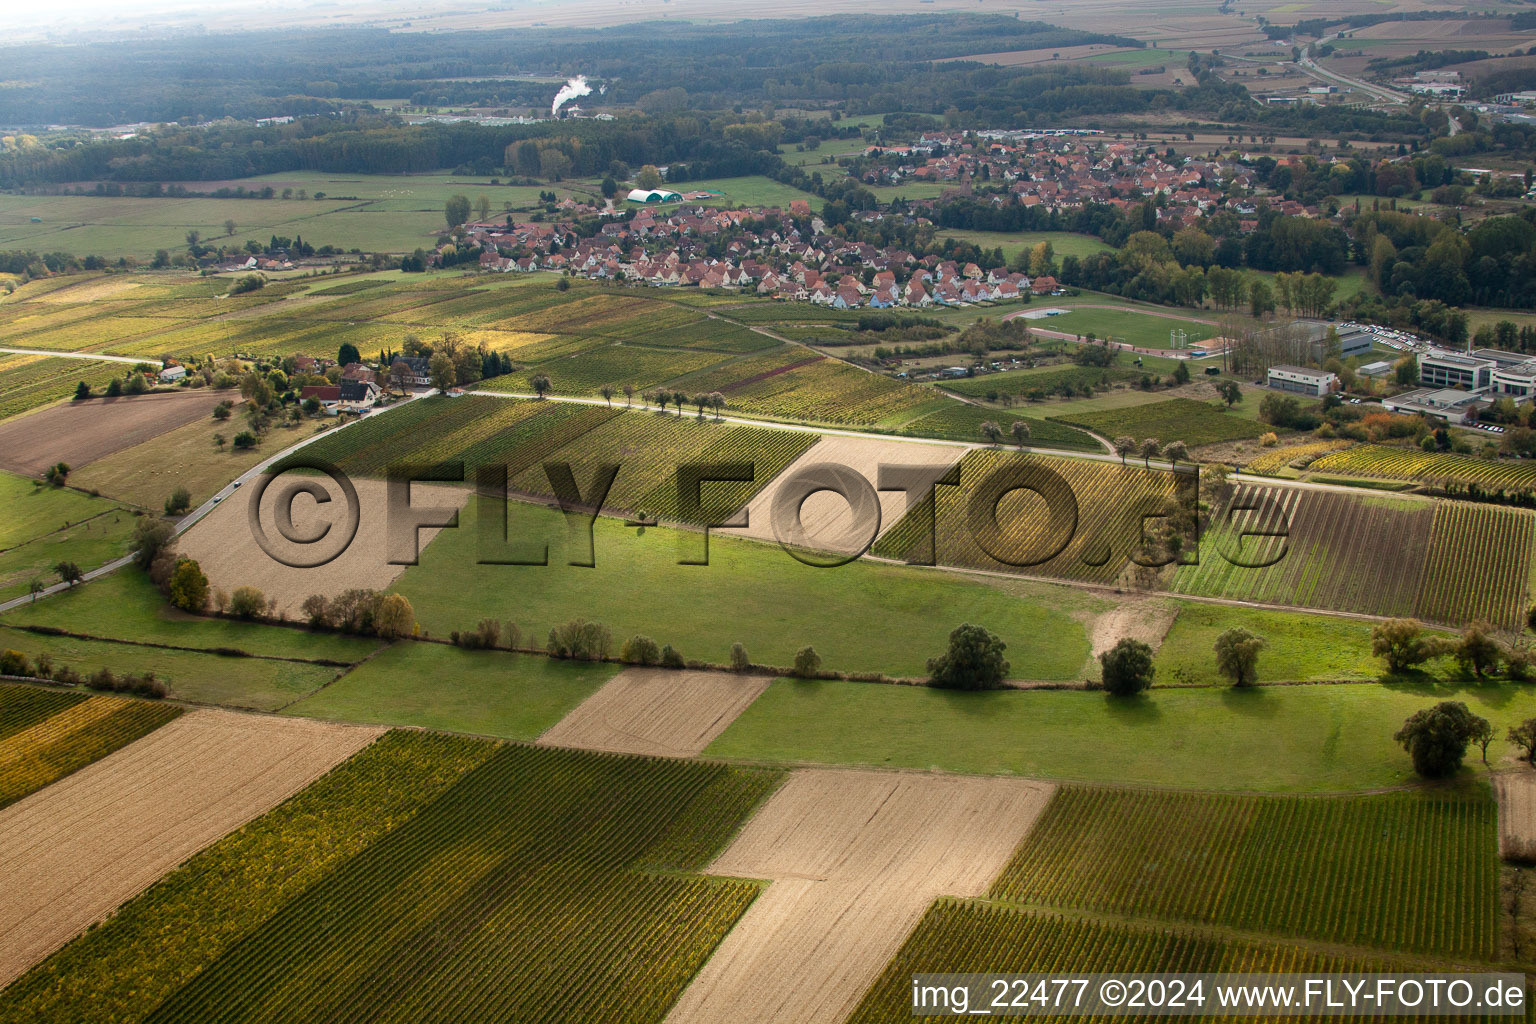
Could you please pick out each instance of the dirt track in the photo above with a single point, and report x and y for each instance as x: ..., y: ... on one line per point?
x: 1517, y: 814
x: 1147, y: 619
x: 855, y: 858
x: 73, y: 852
x: 224, y: 545
x: 827, y: 518
x: 82, y: 432
x: 657, y: 711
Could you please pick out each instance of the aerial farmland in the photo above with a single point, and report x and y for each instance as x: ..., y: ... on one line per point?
x: 617, y: 514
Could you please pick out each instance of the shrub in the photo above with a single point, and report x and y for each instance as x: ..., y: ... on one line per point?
x: 1127, y: 667
x: 247, y: 603
x: 66, y: 676
x: 102, y: 679
x: 1402, y: 643
x: 974, y: 660
x: 317, y: 611
x: 150, y: 535
x: 807, y: 662
x: 739, y: 660
x: 179, y: 502
x: 43, y: 669
x: 14, y: 663
x: 640, y: 650
x: 589, y: 641
x: 1477, y: 651
x: 486, y: 634
x: 671, y: 657
x: 188, y: 586
x: 245, y: 439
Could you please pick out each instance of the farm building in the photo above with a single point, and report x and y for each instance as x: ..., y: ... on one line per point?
x: 1302, y: 380
x: 653, y: 195
x: 172, y: 374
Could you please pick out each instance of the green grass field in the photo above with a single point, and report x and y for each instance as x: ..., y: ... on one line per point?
x: 1302, y: 739
x: 431, y: 686
x: 48, y: 525
x: 1176, y: 419
x: 1142, y: 329
x: 1016, y: 243
x: 860, y: 617
x: 126, y: 606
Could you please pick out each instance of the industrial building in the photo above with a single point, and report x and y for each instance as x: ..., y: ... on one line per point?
x: 1302, y: 381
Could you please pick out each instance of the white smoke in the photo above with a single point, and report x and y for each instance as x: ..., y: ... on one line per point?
x: 570, y: 90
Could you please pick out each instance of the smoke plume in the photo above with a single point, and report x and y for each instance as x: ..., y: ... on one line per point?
x: 570, y: 90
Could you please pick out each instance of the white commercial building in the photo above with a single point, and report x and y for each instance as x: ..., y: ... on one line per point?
x: 1303, y: 381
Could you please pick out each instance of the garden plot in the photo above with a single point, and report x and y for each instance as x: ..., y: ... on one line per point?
x: 73, y: 852
x: 828, y: 520
x: 855, y: 858
x: 657, y: 711
x: 226, y: 548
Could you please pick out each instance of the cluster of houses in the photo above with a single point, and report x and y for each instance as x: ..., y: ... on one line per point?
x: 357, y: 389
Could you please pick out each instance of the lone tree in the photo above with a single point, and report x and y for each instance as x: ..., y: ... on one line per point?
x: 1237, y: 656
x: 1127, y: 667
x: 1482, y: 735
x: 1230, y: 391
x: 1436, y: 738
x: 541, y: 385
x: 150, y: 537
x: 83, y: 391
x: 456, y: 211
x: 69, y: 573
x: 1124, y: 446
x: 1175, y: 450
x: 974, y: 661
x: 443, y: 376
x: 348, y: 354
x: 1149, y: 447
x: 991, y: 432
x: 57, y: 474
x: 179, y: 501
x: 229, y: 227
x: 807, y: 663
x: 717, y: 402
x: 1524, y: 737
x: 607, y: 392
x: 1020, y: 432
x: 188, y: 586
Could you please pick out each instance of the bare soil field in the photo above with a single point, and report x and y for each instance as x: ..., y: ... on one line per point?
x: 82, y: 432
x: 1516, y: 792
x: 1015, y: 58
x: 1147, y: 619
x: 855, y: 857
x: 75, y: 851
x: 226, y: 548
x: 827, y: 518
x: 657, y: 711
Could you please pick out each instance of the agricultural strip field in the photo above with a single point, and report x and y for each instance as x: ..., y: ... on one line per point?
x: 47, y: 525
x: 230, y: 555
x: 860, y: 617
x: 827, y: 518
x: 959, y: 421
x: 27, y: 382
x: 78, y: 433
x: 1383, y: 462
x: 1412, y: 872
x: 854, y: 859
x: 434, y: 686
x: 657, y: 711
x: 77, y: 850
x: 509, y: 896
x: 1045, y: 380
x: 997, y: 520
x: 1177, y: 419
x: 974, y: 936
x: 45, y: 749
x: 1271, y: 461
x: 1449, y: 562
x: 126, y: 967
x: 1299, y: 739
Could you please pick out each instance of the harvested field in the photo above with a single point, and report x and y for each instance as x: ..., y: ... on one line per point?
x: 82, y: 432
x: 224, y: 545
x: 826, y: 517
x: 657, y: 711
x: 1516, y: 792
x: 77, y: 850
x: 1144, y: 619
x: 855, y: 858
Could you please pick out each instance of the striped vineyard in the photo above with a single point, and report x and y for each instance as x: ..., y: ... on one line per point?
x: 43, y: 739
x: 1110, y: 502
x: 1273, y: 460
x: 978, y: 936
x: 529, y: 884
x: 1390, y: 463
x: 1410, y: 872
